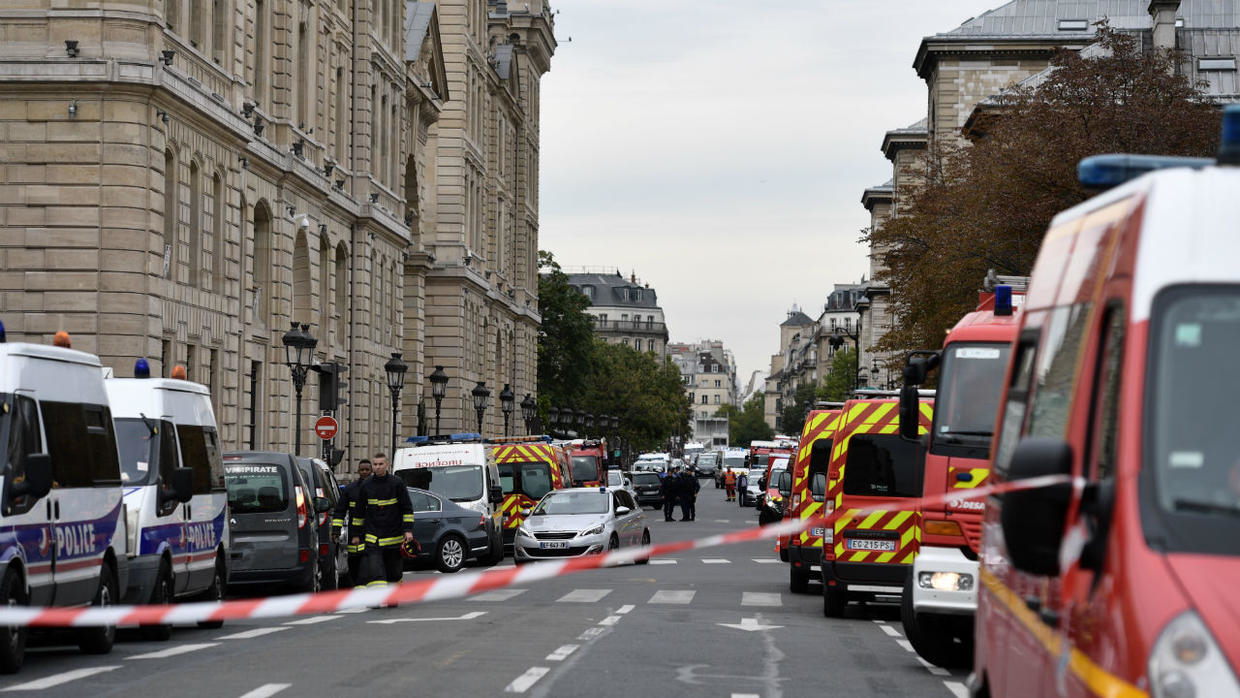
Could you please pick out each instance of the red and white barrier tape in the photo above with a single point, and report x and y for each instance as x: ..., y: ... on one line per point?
x: 438, y: 587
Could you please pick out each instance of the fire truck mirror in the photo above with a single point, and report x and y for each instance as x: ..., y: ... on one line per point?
x: 1033, y: 520
x: 910, y: 409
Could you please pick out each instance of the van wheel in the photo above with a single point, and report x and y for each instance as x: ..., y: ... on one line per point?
x: 798, y: 580
x: 494, y: 556
x: 161, y: 594
x: 13, y: 638
x: 645, y: 542
x: 450, y: 554
x: 327, y: 575
x: 834, y: 600
x: 935, y: 637
x: 215, y: 592
x: 99, y: 640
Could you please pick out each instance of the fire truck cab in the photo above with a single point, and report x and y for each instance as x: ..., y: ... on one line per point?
x: 804, y: 490
x: 589, y: 457
x: 529, y: 467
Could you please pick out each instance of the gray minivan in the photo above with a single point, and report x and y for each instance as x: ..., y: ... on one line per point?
x: 332, y: 560
x: 274, y: 516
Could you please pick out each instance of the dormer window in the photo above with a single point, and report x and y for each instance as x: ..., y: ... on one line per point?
x: 588, y: 291
x: 1073, y: 25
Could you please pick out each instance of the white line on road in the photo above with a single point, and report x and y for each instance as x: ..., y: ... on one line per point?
x: 880, y: 622
x: 766, y: 560
x: 745, y: 695
x: 354, y: 610
x: 958, y: 689
x: 267, y: 690
x: 908, y: 646
x: 584, y: 596
x: 522, y: 683
x: 663, y: 561
x: 722, y: 521
x: 312, y: 620
x: 498, y: 595
x: 590, y: 633
x: 610, y: 620
x: 256, y: 632
x: 665, y: 596
x: 760, y: 598
x: 625, y: 609
x: 389, y: 621
x: 174, y: 651
x: 58, y: 679
x: 891, y: 631
x: 935, y: 670
x: 715, y: 561
x: 562, y: 653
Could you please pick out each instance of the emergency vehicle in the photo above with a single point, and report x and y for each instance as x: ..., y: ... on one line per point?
x: 805, y: 498
x: 1122, y: 583
x: 175, y: 496
x: 871, y: 465
x: 529, y: 467
x: 460, y: 467
x: 62, y: 520
x: 940, y: 596
x: 760, y: 452
x: 589, y: 457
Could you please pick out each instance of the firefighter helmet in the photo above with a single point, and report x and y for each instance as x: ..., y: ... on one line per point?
x: 410, y: 549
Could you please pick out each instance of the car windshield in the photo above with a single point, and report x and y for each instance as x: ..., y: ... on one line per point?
x: 645, y: 479
x: 530, y: 479
x: 881, y: 465
x: 585, y: 467
x: 614, y: 478
x: 970, y: 384
x: 775, y: 473
x: 761, y: 459
x: 734, y: 461
x: 574, y: 503
x: 136, y: 443
x: 256, y: 488
x: 755, y: 473
x: 460, y: 483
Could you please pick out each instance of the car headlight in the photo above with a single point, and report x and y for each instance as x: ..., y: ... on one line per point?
x: 592, y: 532
x: 1187, y: 662
x: 523, y: 531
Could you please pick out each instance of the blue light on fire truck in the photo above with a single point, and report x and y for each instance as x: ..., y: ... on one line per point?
x: 1229, y: 145
x: 1003, y: 300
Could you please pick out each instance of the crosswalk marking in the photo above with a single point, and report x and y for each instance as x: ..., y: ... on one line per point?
x: 584, y: 596
x: 522, y: 683
x: 562, y: 653
x: 663, y: 561
x: 625, y: 609
x: 676, y: 597
x: 312, y: 620
x: 257, y: 632
x: 267, y: 690
x: 498, y: 595
x: 174, y: 651
x: 766, y: 560
x: 58, y: 679
x: 759, y: 598
x: 716, y: 561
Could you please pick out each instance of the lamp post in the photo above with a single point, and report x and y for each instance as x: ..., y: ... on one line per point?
x: 298, y: 355
x: 874, y: 373
x: 506, y: 400
x: 529, y: 410
x: 395, y: 369
x: 481, y: 397
x: 439, y: 387
x: 553, y: 418
x: 588, y: 426
x: 580, y: 420
x: 837, y: 341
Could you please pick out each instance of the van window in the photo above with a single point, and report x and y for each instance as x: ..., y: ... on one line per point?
x: 137, y: 441
x: 256, y: 488
x: 1014, y: 408
x: 881, y: 465
x: 531, y: 479
x: 200, y: 453
x: 82, y: 444
x: 460, y: 483
x: 23, y: 440
x: 585, y: 468
x: 818, y: 486
x: 1056, y: 370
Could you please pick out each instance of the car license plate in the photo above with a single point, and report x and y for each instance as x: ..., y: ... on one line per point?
x: 865, y: 544
x: 818, y: 531
x: 553, y: 545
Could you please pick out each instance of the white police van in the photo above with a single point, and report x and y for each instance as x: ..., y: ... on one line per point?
x: 62, y: 526
x: 175, y: 496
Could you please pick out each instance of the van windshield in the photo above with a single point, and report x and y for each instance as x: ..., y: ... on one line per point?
x: 734, y: 461
x: 256, y: 488
x: 585, y: 468
x: 460, y: 483
x: 881, y: 465
x: 138, y: 451
x: 967, y: 401
x: 530, y: 479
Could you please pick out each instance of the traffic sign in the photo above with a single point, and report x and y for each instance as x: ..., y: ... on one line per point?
x: 326, y: 427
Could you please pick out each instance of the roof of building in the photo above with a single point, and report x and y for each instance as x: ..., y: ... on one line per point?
x: 796, y: 318
x: 843, y: 298
x: 914, y: 135
x: 417, y: 20
x: 614, y: 290
x: 879, y: 192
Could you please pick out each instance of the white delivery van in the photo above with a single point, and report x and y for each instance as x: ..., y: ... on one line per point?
x: 62, y: 526
x: 175, y: 496
x: 462, y: 469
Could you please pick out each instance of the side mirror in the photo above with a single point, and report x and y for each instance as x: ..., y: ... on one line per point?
x: 1033, y: 521
x: 495, y: 494
x: 182, y: 484
x: 628, y: 482
x: 621, y: 511
x: 38, y: 480
x: 910, y: 412
x: 525, y: 512
x: 322, y: 505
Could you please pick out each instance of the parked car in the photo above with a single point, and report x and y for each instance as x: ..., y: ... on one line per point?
x: 747, y: 496
x: 449, y: 534
x: 615, y: 478
x: 580, y: 521
x: 333, y: 559
x: 649, y: 489
x: 707, y: 462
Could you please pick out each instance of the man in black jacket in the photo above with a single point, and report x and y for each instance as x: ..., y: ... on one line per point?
x: 384, y: 515
x: 348, y: 495
x: 671, y: 493
x: 689, y: 488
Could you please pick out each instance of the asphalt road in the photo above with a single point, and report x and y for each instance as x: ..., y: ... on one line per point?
x: 710, y: 622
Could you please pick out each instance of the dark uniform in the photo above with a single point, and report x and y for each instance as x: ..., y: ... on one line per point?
x: 688, y: 496
x: 348, y: 495
x: 380, y: 517
x: 671, y: 494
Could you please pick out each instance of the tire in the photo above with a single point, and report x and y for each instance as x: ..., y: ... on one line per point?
x: 328, y: 574
x: 162, y: 593
x: 311, y: 584
x: 783, y: 554
x: 450, y: 554
x: 798, y: 579
x: 645, y: 541
x: 99, y: 640
x: 614, y: 543
x: 215, y: 592
x: 495, y: 555
x: 936, y: 639
x: 12, y: 639
x: 834, y: 601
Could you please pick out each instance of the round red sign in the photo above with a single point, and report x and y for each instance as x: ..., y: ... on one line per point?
x: 326, y: 427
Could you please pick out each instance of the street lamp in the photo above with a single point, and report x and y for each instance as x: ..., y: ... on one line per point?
x: 506, y: 400
x: 874, y: 372
x: 439, y: 387
x: 481, y: 397
x: 580, y: 420
x: 553, y: 418
x: 298, y: 355
x: 589, y: 425
x: 395, y: 369
x: 529, y: 410
x: 837, y: 341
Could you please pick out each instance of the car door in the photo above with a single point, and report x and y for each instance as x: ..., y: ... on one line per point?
x: 204, y: 513
x: 29, y: 518
x: 427, y: 519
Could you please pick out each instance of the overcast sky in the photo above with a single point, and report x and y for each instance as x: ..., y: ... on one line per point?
x: 719, y: 149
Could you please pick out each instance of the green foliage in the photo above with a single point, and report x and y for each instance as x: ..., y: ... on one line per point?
x: 646, y: 393
x: 565, y: 338
x: 839, y: 381
x: 792, y: 417
x: 747, y: 424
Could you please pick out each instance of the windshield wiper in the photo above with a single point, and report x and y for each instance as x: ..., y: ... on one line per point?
x: 953, y: 437
x: 1201, y: 507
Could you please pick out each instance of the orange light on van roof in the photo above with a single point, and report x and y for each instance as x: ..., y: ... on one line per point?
x: 62, y: 340
x: 178, y: 372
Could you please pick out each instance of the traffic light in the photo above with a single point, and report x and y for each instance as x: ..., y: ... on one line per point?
x: 332, y: 386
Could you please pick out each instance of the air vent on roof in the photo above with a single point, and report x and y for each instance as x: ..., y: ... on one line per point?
x: 1228, y: 63
x: 1073, y: 25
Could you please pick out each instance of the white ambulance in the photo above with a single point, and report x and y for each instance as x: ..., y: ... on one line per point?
x: 175, y: 496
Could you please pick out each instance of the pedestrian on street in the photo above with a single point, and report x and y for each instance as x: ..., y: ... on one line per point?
x: 671, y: 493
x: 385, y: 513
x: 688, y: 495
x: 729, y: 483
x: 348, y: 495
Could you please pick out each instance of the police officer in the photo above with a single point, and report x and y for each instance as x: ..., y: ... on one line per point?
x: 671, y: 493
x: 348, y: 495
x: 689, y: 487
x: 382, y: 519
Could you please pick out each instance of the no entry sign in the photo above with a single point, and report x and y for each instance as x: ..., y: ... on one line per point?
x: 326, y: 427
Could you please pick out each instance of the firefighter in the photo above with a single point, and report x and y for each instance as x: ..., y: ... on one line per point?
x: 383, y: 513
x: 348, y: 495
x: 729, y: 483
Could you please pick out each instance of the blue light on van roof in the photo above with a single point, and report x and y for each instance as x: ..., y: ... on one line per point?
x: 1229, y: 144
x: 1003, y: 300
x: 1107, y: 171
x: 141, y: 369
x: 417, y: 439
x: 2, y: 340
x: 459, y: 437
x: 465, y: 436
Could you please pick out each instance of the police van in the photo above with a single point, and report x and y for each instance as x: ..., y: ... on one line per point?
x: 461, y: 468
x: 174, y: 490
x: 62, y: 526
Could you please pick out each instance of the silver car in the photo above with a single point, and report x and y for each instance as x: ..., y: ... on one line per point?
x: 580, y: 521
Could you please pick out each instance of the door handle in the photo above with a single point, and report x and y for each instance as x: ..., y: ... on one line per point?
x: 49, y: 509
x: 57, y: 510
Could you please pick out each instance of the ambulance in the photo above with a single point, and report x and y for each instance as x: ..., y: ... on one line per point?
x: 870, y: 553
x: 1123, y: 582
x: 62, y: 520
x: 529, y: 467
x: 460, y: 467
x: 175, y: 497
x: 804, y: 490
x: 940, y: 596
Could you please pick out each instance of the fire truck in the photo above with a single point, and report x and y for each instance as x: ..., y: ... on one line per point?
x: 804, y: 491
x: 589, y: 457
x: 529, y: 467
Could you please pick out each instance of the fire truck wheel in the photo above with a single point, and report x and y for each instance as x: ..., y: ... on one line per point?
x: 940, y: 640
x: 798, y: 579
x: 834, y: 600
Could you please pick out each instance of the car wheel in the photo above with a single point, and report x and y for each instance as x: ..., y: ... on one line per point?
x: 645, y: 542
x: 99, y: 640
x: 935, y: 637
x: 614, y: 543
x: 311, y: 584
x: 834, y: 600
x: 161, y: 594
x: 13, y: 638
x: 215, y: 592
x: 450, y: 554
x: 798, y: 579
x: 494, y: 556
x: 327, y: 574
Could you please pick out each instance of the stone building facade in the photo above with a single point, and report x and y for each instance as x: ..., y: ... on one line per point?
x: 625, y: 310
x: 708, y: 370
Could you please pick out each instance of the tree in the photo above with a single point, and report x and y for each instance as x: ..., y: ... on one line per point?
x: 840, y: 380
x: 646, y: 393
x: 987, y: 206
x: 793, y: 416
x: 747, y: 424
x: 565, y: 337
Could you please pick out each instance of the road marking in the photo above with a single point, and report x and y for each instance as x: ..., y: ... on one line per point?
x: 498, y: 595
x: 749, y: 625
x: 625, y: 609
x: 891, y: 631
x: 562, y: 653
x: 354, y: 610
x: 760, y: 598
x: 257, y: 632
x: 665, y: 596
x: 908, y: 646
x: 936, y: 670
x: 716, y: 561
x: 590, y: 633
x: 312, y: 620
x: 958, y: 689
x: 390, y: 621
x: 267, y: 690
x: 880, y: 622
x: 522, y: 683
x: 174, y: 651
x: 745, y: 695
x: 722, y: 521
x: 766, y: 560
x: 610, y: 620
x: 663, y: 561
x: 584, y: 596
x: 58, y: 679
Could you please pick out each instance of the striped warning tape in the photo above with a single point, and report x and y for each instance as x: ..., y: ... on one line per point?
x: 436, y: 588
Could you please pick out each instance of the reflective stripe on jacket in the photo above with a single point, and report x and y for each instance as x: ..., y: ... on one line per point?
x: 382, y: 511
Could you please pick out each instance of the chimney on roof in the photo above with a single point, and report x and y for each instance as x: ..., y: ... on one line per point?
x: 633, y: 277
x: 1162, y: 12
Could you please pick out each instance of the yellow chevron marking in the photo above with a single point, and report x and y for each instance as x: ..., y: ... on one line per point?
x: 808, y: 512
x: 843, y: 519
x: 908, y: 559
x: 872, y: 519
x: 880, y: 413
x: 899, y: 519
x: 889, y: 429
x: 839, y: 551
x: 907, y: 538
x: 885, y: 557
x: 976, y: 477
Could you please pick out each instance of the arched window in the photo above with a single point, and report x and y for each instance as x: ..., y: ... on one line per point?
x: 325, y: 287
x: 264, y: 279
x: 301, y: 280
x: 195, y: 224
x: 342, y: 290
x: 218, y: 233
x: 170, y: 216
